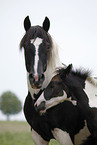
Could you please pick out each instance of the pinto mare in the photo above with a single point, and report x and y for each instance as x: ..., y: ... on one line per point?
x: 59, y: 90
x: 41, y: 57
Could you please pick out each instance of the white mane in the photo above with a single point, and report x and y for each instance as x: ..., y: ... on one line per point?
x: 54, y: 62
x: 54, y: 57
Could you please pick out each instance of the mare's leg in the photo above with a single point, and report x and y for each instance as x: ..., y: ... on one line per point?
x: 62, y: 137
x: 30, y: 114
x: 38, y: 140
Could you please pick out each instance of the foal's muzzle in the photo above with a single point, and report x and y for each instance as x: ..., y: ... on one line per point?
x: 41, y: 107
x: 36, y: 81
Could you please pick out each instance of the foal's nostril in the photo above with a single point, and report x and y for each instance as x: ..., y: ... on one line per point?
x: 35, y: 105
x: 42, y: 106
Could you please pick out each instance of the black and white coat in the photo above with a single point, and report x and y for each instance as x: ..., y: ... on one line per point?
x: 39, y: 76
x: 76, y: 79
x: 67, y: 118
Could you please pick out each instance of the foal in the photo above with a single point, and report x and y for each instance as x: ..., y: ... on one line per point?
x: 66, y: 118
x: 89, y: 113
x: 72, y: 83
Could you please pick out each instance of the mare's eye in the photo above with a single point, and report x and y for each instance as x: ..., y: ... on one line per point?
x: 48, y: 45
x: 42, y: 44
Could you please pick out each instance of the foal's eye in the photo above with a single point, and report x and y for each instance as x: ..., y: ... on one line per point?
x: 52, y: 86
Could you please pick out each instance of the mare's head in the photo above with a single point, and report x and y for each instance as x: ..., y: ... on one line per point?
x: 37, y: 46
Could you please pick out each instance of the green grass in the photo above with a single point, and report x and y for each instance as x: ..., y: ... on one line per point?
x: 16, y: 139
x: 17, y: 133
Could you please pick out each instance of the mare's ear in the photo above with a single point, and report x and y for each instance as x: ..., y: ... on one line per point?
x: 46, y: 24
x: 27, y: 23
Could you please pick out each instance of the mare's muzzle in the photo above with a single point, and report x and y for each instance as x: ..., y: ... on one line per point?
x: 36, y: 81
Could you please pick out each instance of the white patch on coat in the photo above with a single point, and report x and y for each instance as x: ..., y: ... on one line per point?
x: 38, y: 140
x: 54, y: 101
x: 62, y: 137
x: 57, y: 100
x: 74, y: 102
x: 36, y: 42
x: 81, y: 135
x: 40, y: 99
x: 91, y: 91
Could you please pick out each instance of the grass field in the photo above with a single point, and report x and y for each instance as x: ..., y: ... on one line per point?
x: 17, y: 133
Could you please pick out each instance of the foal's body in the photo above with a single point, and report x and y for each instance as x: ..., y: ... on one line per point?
x: 66, y: 118
x: 76, y: 84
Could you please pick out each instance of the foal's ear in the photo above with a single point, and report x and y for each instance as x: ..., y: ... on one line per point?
x: 64, y: 72
x: 27, y: 23
x: 46, y: 24
x: 68, y: 69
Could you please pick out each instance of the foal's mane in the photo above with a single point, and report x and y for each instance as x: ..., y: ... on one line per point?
x: 74, y: 76
x: 81, y: 73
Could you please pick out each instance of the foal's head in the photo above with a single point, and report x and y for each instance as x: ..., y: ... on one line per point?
x: 66, y: 84
x: 37, y: 46
x: 56, y: 91
x: 57, y: 85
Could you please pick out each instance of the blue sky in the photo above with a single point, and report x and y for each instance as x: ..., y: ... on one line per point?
x: 73, y: 26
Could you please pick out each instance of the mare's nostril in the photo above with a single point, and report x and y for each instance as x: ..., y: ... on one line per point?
x: 42, y: 76
x: 31, y: 76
